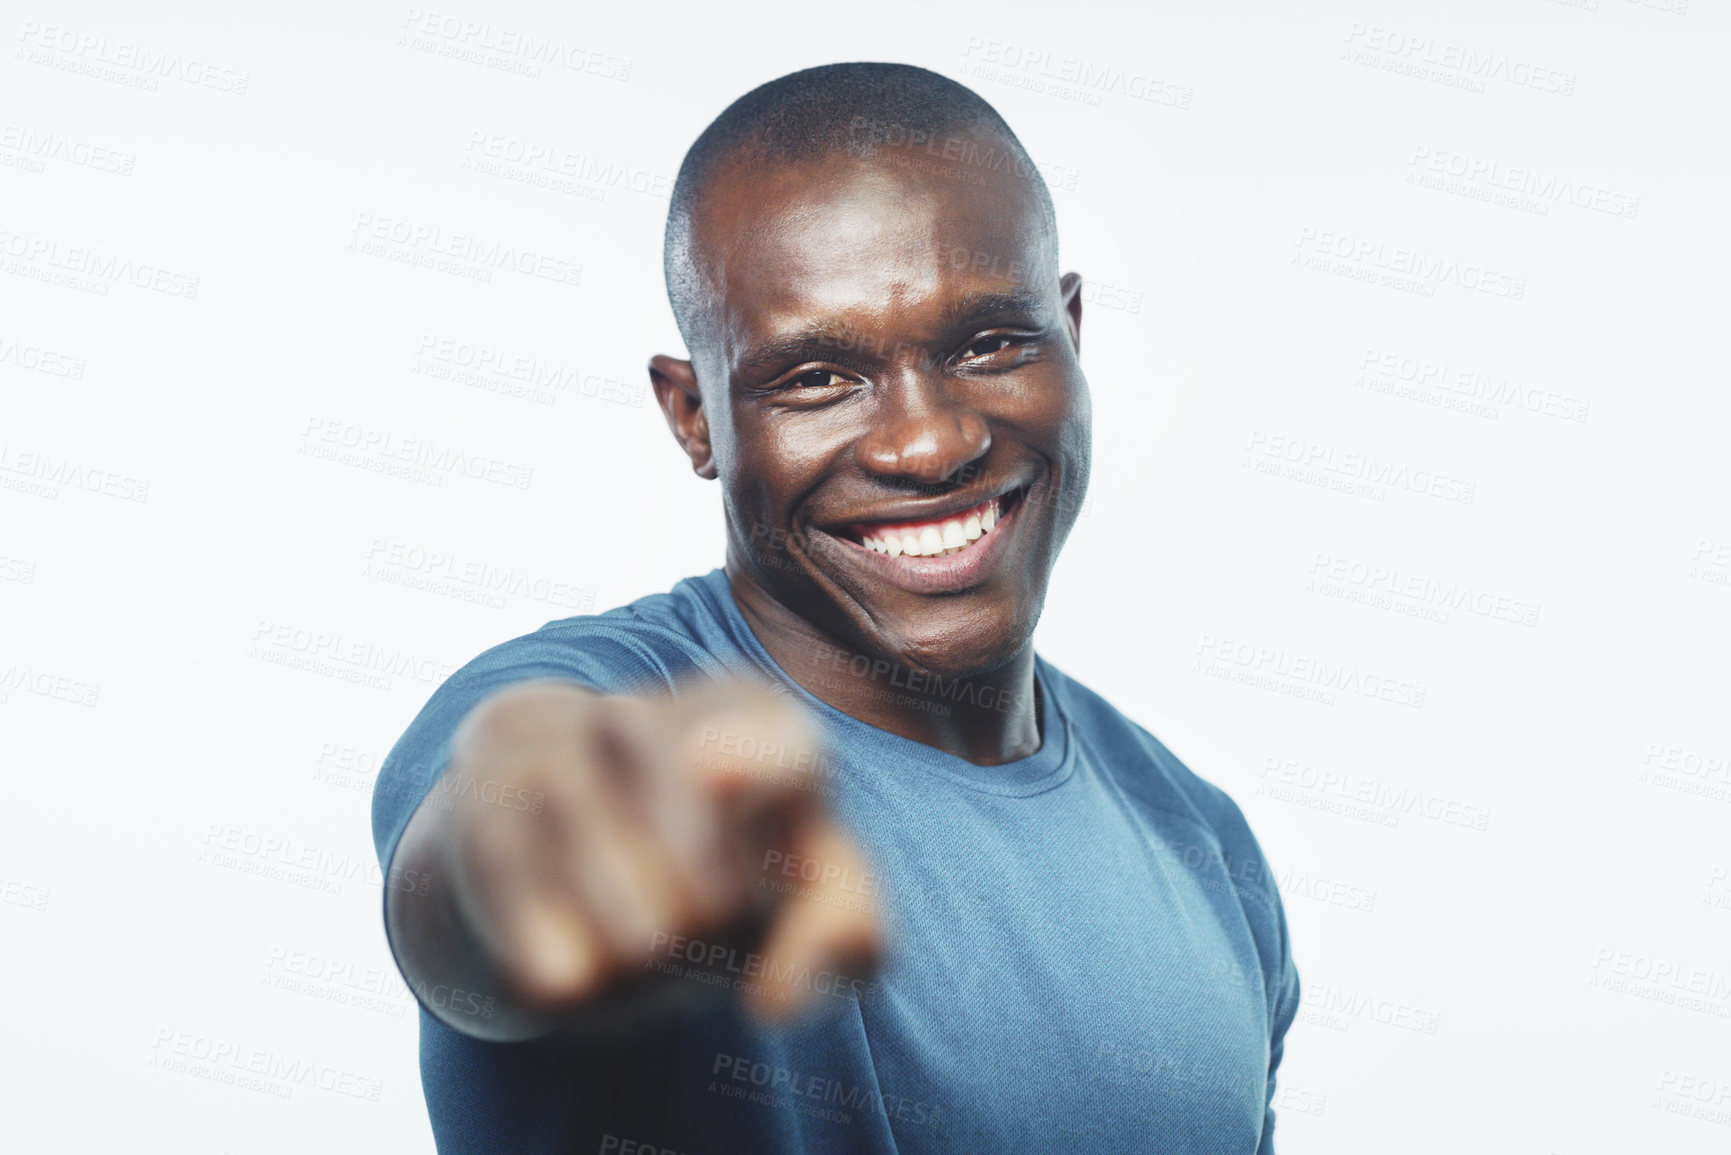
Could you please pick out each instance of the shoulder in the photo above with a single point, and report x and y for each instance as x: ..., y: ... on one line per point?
x: 653, y: 642
x: 1141, y: 766
x: 1142, y: 763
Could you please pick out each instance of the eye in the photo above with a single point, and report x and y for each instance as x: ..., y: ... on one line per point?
x: 815, y: 379
x: 986, y: 346
x: 991, y: 346
x: 809, y: 389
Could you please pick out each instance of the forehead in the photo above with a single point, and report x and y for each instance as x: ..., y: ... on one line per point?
x: 863, y: 243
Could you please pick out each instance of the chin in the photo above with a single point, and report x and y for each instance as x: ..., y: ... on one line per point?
x: 960, y: 642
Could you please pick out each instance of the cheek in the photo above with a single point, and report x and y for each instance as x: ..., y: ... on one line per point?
x: 1079, y: 424
x: 1055, y: 415
x: 1064, y: 436
x: 1076, y: 448
x: 779, y: 459
x: 807, y: 445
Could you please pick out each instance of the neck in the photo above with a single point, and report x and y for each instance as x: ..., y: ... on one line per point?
x: 987, y: 718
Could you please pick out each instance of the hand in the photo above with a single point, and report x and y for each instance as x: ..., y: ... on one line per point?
x: 594, y: 845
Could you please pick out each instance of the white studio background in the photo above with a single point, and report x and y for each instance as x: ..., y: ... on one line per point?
x: 1406, y: 339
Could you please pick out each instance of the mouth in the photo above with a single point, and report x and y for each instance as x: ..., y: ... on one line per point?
x: 942, y: 536
x: 944, y: 553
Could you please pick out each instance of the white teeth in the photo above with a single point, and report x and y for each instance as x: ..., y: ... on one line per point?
x: 937, y: 540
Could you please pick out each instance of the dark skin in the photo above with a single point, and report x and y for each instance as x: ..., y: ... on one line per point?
x: 882, y: 343
x: 880, y: 346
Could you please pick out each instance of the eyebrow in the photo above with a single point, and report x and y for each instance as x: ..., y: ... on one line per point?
x: 798, y: 345
x: 829, y: 341
x: 974, y: 307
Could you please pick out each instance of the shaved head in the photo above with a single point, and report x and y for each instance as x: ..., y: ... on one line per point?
x: 898, y: 114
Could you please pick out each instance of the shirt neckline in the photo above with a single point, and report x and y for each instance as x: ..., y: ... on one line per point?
x: 1046, y: 768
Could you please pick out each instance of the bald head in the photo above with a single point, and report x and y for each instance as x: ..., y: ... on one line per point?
x: 900, y: 116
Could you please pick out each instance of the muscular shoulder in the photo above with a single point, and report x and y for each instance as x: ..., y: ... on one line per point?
x: 1145, y: 770
x: 653, y: 642
x: 1142, y: 763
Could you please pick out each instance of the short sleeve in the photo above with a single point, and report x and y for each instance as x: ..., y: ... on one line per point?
x: 1284, y: 992
x: 1254, y: 879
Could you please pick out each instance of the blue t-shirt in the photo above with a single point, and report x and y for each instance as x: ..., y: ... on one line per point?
x: 1087, y: 949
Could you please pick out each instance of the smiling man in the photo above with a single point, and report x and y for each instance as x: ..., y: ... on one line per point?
x: 814, y: 853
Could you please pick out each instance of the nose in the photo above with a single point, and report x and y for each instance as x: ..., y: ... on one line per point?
x: 921, y: 434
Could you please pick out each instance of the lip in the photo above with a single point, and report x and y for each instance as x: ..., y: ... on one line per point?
x: 909, y: 512
x: 939, y: 575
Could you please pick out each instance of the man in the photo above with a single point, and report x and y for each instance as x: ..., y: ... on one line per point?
x: 1014, y: 922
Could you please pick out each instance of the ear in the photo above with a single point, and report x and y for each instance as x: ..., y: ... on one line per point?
x: 675, y: 385
x: 1070, y: 289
